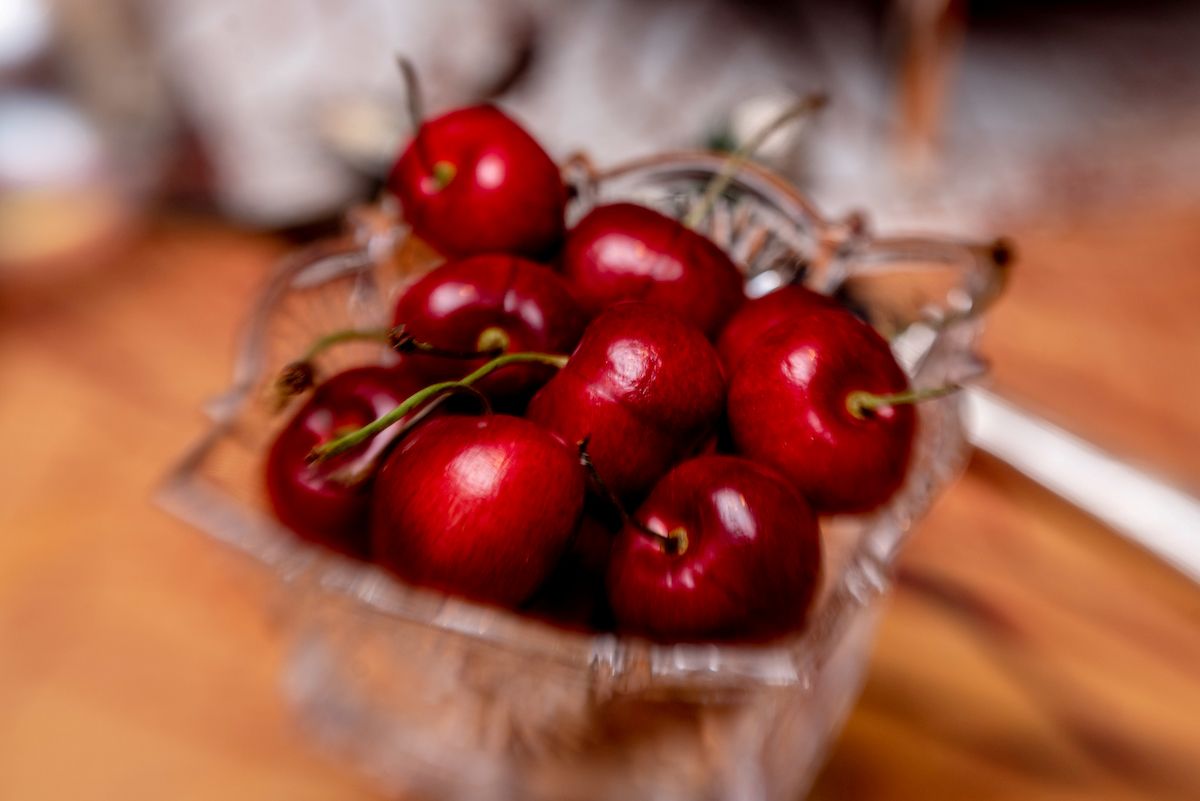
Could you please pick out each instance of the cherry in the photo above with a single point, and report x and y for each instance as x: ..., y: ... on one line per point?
x: 474, y: 181
x: 800, y: 402
x: 643, y: 387
x: 737, y: 556
x: 328, y: 502
x: 480, y: 506
x: 756, y: 317
x: 491, y: 302
x: 623, y: 251
x: 573, y: 595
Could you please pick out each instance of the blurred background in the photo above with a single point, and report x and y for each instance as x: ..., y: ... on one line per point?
x: 277, y: 115
x: 157, y: 156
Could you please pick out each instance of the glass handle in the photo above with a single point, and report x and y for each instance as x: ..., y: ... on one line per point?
x: 984, y: 266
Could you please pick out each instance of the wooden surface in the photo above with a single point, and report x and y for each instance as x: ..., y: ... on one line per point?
x: 1027, y: 654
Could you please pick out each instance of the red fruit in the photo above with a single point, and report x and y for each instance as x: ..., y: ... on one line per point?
x: 480, y: 506
x: 463, y: 305
x: 788, y: 407
x: 746, y: 329
x: 643, y: 387
x: 328, y: 502
x: 627, y: 252
x: 473, y: 181
x: 573, y: 595
x: 751, y: 562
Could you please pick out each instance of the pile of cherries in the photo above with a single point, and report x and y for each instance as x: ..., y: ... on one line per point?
x: 593, y: 425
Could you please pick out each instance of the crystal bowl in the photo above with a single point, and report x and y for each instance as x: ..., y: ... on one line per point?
x: 437, y: 697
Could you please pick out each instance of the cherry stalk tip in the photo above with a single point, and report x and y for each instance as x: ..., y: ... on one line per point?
x: 443, y: 174
x: 861, y: 404
x: 295, y: 378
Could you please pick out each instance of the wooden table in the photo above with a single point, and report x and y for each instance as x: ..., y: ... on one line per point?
x: 1027, y: 654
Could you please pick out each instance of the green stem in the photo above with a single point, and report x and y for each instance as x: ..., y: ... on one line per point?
x: 492, y: 342
x: 860, y: 403
x: 361, y: 435
x: 298, y: 376
x: 720, y: 182
x: 327, y: 341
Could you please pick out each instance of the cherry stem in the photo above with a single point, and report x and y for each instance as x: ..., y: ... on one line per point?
x: 355, y: 473
x: 860, y: 403
x: 491, y: 343
x: 327, y: 341
x: 292, y: 380
x: 298, y: 376
x: 673, y: 542
x: 443, y: 174
x: 412, y: 91
x: 720, y: 182
x: 361, y: 435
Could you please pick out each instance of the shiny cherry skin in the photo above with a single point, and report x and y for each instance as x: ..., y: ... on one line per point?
x: 479, y: 506
x: 328, y: 502
x: 644, y: 387
x: 750, y: 567
x: 788, y: 408
x: 746, y: 329
x: 452, y: 306
x: 474, y: 181
x: 623, y: 251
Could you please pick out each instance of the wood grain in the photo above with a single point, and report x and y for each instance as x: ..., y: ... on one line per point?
x: 1027, y: 653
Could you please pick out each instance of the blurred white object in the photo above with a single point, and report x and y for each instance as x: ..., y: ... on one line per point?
x: 58, y: 195
x: 269, y: 84
x: 256, y: 76
x: 756, y: 114
x: 24, y: 31
x: 46, y: 142
x: 1075, y: 108
x: 1160, y: 518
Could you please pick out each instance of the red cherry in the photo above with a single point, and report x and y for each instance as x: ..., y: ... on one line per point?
x: 474, y: 181
x: 465, y: 305
x: 748, y: 561
x: 573, y: 596
x: 643, y: 387
x: 480, y: 506
x: 756, y: 317
x: 789, y: 407
x: 627, y: 252
x: 328, y: 502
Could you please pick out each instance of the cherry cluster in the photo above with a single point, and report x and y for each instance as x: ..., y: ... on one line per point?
x: 593, y: 425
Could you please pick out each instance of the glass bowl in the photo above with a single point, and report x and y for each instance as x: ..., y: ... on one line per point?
x: 437, y: 697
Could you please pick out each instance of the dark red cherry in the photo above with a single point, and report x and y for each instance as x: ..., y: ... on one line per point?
x: 474, y: 181
x: 474, y: 303
x: 745, y: 564
x: 790, y: 405
x: 746, y: 329
x: 623, y: 251
x: 328, y: 502
x: 644, y: 387
x: 574, y: 596
x: 480, y: 506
